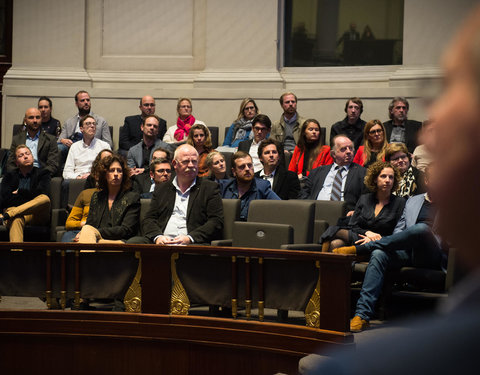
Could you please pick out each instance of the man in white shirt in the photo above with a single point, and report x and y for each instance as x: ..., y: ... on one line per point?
x: 82, y: 154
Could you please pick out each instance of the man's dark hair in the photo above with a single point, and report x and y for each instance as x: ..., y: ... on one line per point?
x: 262, y: 119
x: 82, y: 120
x: 154, y: 116
x: 239, y: 155
x: 285, y: 94
x: 157, y: 162
x: 169, y: 154
x: 355, y: 100
x: 80, y: 92
x: 396, y: 100
x: 45, y: 98
x: 267, y: 142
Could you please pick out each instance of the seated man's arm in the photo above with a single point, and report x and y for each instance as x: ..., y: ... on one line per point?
x: 69, y: 167
x: 124, y: 137
x: 53, y: 157
x: 106, y: 133
x: 293, y: 186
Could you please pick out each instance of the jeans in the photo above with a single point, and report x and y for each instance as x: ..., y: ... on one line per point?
x: 422, y: 249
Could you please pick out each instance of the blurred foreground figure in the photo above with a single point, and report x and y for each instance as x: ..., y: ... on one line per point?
x: 445, y: 343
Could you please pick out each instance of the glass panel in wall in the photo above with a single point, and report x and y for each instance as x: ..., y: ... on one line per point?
x: 343, y: 32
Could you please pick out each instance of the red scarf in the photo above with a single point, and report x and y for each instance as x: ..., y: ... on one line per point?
x: 183, y: 127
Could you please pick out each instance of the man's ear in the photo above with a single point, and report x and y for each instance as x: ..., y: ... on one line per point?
x: 233, y: 172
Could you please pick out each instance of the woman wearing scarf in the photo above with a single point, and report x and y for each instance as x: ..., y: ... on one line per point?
x: 178, y: 133
x: 241, y: 129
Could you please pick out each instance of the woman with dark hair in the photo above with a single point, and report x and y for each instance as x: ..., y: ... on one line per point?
x: 241, y: 129
x: 215, y: 162
x: 374, y: 144
x: 92, y: 181
x: 376, y: 213
x: 412, y: 181
x: 114, y: 210
x: 309, y: 152
x: 200, y: 138
x: 178, y: 133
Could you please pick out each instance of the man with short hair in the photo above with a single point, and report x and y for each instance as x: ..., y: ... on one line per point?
x: 287, y: 129
x: 342, y: 180
x: 43, y: 146
x: 261, y: 128
x: 131, y: 133
x: 352, y: 125
x: 399, y: 128
x: 160, y: 171
x: 71, y: 132
x: 49, y: 124
x: 139, y: 156
x: 185, y: 210
x: 82, y: 154
x: 284, y: 183
x: 244, y: 185
x: 24, y: 194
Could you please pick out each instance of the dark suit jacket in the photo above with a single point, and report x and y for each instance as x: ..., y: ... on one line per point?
x: 285, y: 183
x: 130, y: 133
x: 142, y: 183
x: 39, y: 184
x: 125, y: 214
x: 204, y: 212
x: 48, y: 155
x: 411, y: 129
x: 354, y: 186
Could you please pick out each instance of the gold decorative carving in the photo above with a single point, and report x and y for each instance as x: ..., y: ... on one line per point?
x: 133, y: 297
x: 179, y: 302
x: 48, y: 299
x: 234, y: 308
x: 248, y: 308
x: 261, y: 310
x: 312, y: 312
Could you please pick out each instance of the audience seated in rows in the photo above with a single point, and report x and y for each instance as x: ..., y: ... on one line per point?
x: 309, y: 152
x: 114, y: 210
x: 287, y: 129
x: 399, y: 128
x: 261, y: 128
x: 179, y: 132
x: 342, y: 180
x: 352, y: 125
x: 160, y: 171
x: 140, y: 155
x: 412, y: 243
x: 244, y: 185
x: 82, y: 154
x: 412, y: 181
x: 71, y: 132
x: 374, y: 144
x: 50, y: 125
x: 24, y: 194
x: 199, y: 137
x: 131, y: 132
x: 43, y: 146
x: 241, y: 129
x: 284, y: 183
x: 376, y: 213
x: 216, y: 165
x: 185, y: 210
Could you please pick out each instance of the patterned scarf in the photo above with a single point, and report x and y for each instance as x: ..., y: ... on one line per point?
x: 183, y: 127
x: 407, y: 185
x: 241, y: 128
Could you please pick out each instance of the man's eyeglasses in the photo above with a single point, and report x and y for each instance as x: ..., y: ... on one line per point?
x: 259, y: 129
x: 90, y: 124
x: 162, y: 171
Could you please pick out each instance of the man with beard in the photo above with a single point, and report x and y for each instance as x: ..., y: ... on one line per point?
x: 131, y: 133
x: 287, y: 129
x: 186, y: 210
x: 399, y: 128
x: 244, y: 185
x: 71, y: 129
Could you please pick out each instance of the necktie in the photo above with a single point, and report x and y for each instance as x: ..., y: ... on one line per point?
x: 336, y: 194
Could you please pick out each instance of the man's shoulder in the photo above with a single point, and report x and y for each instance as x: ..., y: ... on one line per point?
x: 100, y: 143
x: 414, y: 123
x: 206, y: 184
x: 262, y: 185
x: 160, y: 143
x: 99, y: 119
x: 19, y: 138
x: 416, y: 199
x: 71, y: 120
x: 48, y: 136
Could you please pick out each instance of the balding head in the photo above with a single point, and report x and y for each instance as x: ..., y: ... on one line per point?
x: 147, y: 106
x: 33, y: 120
x: 185, y: 163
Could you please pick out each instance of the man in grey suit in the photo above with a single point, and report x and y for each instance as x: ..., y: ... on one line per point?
x: 319, y: 183
x: 43, y: 146
x: 130, y: 132
x: 71, y: 129
x: 139, y: 156
x: 412, y: 243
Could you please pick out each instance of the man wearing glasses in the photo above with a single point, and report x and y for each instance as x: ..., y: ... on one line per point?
x: 261, y: 129
x: 82, y: 154
x: 160, y: 171
x: 399, y: 128
x: 131, y: 133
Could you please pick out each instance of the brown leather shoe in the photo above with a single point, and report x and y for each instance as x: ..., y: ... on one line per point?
x: 357, y: 324
x: 348, y: 250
